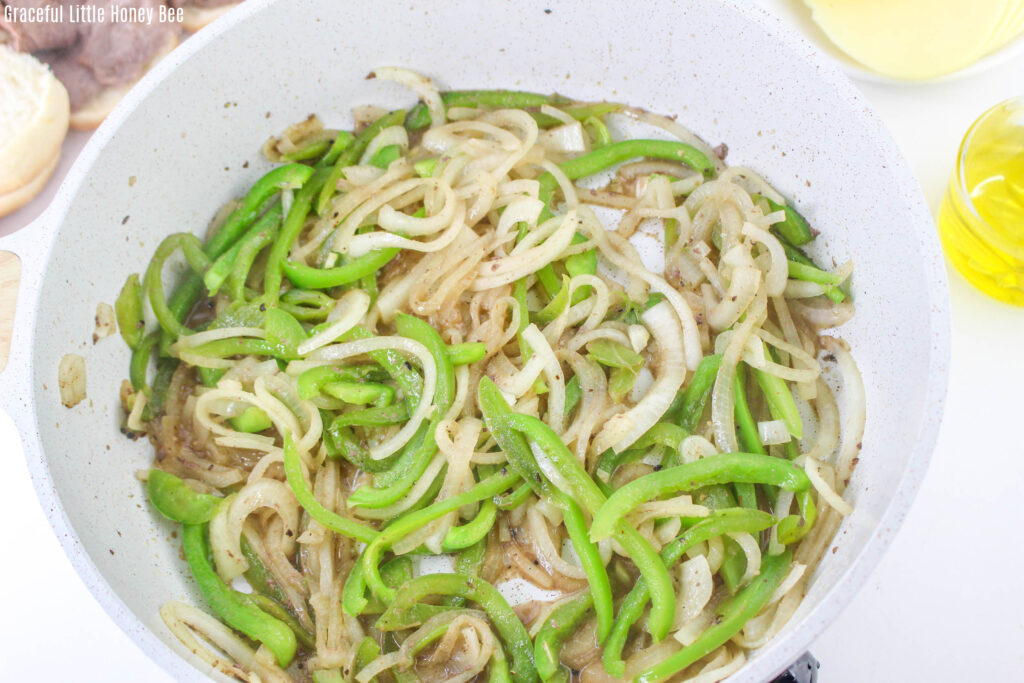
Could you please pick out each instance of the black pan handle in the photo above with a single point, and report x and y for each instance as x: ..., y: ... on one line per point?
x: 803, y: 670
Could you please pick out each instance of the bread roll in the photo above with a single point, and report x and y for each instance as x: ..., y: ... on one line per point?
x: 34, y: 114
x: 195, y: 18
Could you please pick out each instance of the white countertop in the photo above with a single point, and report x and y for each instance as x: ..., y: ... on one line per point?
x: 945, y: 604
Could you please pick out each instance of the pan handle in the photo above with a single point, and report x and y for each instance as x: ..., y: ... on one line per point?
x: 23, y: 256
x: 803, y: 670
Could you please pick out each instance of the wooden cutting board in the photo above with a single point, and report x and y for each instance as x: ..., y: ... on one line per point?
x: 10, y: 274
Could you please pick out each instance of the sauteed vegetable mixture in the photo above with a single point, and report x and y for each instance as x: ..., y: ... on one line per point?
x: 506, y: 386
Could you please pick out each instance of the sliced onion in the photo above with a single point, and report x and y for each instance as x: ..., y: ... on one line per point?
x: 392, y: 135
x: 567, y: 138
x: 421, y: 85
x: 854, y: 418
x: 773, y: 432
x: 697, y: 587
x: 71, y: 380
x: 345, y: 315
x: 623, y: 429
x: 337, y: 352
x: 233, y: 656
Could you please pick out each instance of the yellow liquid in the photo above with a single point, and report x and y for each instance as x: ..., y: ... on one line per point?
x: 981, y: 220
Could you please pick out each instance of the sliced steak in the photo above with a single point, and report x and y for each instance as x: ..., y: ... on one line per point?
x: 42, y: 35
x: 117, y: 52
x: 79, y: 80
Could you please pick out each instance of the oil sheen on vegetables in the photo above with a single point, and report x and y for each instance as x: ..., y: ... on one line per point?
x: 981, y: 221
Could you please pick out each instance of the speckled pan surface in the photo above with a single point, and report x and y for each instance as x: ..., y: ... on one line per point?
x: 188, y: 138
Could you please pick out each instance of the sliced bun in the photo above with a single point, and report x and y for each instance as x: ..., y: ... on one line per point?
x: 92, y: 113
x: 195, y: 18
x: 33, y: 119
x: 14, y: 200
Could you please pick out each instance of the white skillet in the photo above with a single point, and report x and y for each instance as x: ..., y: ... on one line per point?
x: 188, y: 137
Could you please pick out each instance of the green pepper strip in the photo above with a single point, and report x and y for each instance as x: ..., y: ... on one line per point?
x: 339, y: 145
x: 396, y: 471
x: 139, y: 363
x: 723, y: 468
x: 310, y: 381
x: 128, y: 310
x: 351, y: 154
x: 573, y: 393
x: 558, y: 302
x: 488, y: 488
x: 780, y: 401
x: 224, y: 264
x: 252, y: 421
x: 734, y: 565
x: 617, y: 152
x: 468, y: 563
x: 353, y: 594
x: 513, y: 500
x: 361, y: 393
x: 475, y: 589
x: 284, y: 332
x: 593, y: 567
x: 287, y: 176
x: 466, y: 353
x: 498, y: 672
x: 697, y: 391
x: 259, y: 577
x: 444, y: 393
x: 379, y: 416
x: 282, y: 177
x: 496, y: 413
x: 794, y: 227
x: 661, y: 434
x: 559, y: 625
x: 829, y: 281
x: 395, y: 365
x: 383, y: 157
x: 279, y: 612
x: 796, y: 256
x: 237, y: 609
x: 516, y: 449
x: 459, y: 537
x: 799, y: 271
x: 290, y: 230
x: 584, y: 263
x: 165, y: 368
x: 153, y: 280
x: 304, y: 494
x: 583, y: 489
x: 599, y: 134
x: 419, y: 116
x: 307, y: 305
x: 310, y: 277
x: 750, y: 440
x: 793, y: 528
x: 418, y: 330
x: 731, y: 616
x: 242, y: 346
x: 310, y: 151
x: 177, y: 501
x: 729, y: 520
x: 248, y: 248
